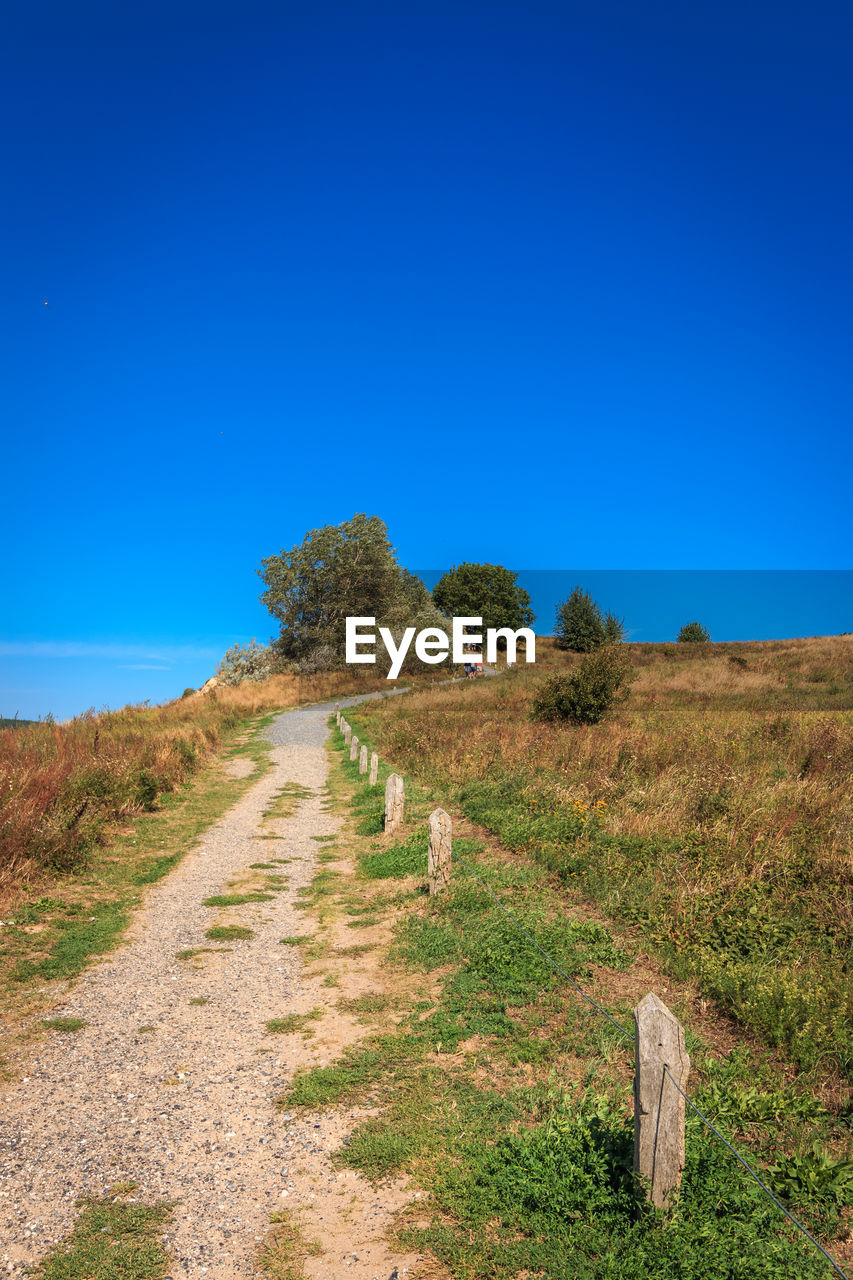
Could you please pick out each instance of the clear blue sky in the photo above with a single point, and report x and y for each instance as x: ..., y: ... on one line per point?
x: 544, y: 284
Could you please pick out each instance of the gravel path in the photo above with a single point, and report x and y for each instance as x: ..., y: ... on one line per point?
x: 185, y: 1108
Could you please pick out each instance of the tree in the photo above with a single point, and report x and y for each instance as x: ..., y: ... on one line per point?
x: 693, y: 633
x: 339, y: 571
x: 614, y: 629
x: 487, y: 591
x: 579, y: 626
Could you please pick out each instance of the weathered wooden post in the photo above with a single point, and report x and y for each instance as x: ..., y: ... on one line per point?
x: 659, y: 1152
x: 353, y: 748
x: 439, y: 857
x: 347, y: 732
x: 362, y: 759
x: 374, y: 768
x: 338, y: 717
x: 395, y: 802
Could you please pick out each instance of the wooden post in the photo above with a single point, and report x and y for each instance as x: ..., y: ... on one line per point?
x: 659, y: 1152
x: 438, y: 860
x: 353, y: 748
x: 395, y: 802
x: 362, y: 759
x: 347, y: 732
x: 338, y: 718
x: 374, y: 769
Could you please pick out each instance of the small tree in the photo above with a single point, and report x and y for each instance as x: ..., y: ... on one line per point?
x: 487, y: 591
x: 579, y: 626
x: 614, y: 629
x: 585, y: 695
x: 694, y: 633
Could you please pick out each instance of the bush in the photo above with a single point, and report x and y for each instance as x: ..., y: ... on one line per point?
x: 188, y: 692
x: 252, y: 661
x: 694, y: 633
x: 585, y: 695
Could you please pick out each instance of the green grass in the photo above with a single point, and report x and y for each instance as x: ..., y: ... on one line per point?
x: 508, y: 1100
x: 228, y: 932
x: 235, y: 899
x: 111, y: 1241
x: 294, y: 939
x: 292, y: 1022
x: 64, y: 1024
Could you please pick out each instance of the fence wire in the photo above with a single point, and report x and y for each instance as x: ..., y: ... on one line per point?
x: 629, y: 1035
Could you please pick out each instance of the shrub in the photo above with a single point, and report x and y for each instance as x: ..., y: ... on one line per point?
x: 585, y: 695
x: 323, y: 657
x: 246, y: 662
x: 694, y: 633
x: 188, y: 692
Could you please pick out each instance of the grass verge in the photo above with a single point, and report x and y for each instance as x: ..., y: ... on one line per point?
x: 510, y: 1102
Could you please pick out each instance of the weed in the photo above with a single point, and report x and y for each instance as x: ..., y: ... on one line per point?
x: 64, y: 1024
x: 228, y: 932
x: 111, y: 1239
x: 285, y: 1249
x: 235, y: 899
x: 292, y: 1022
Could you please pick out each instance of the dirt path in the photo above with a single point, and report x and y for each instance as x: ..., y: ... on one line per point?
x: 172, y: 1082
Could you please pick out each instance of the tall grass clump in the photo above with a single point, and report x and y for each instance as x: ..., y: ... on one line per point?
x: 62, y: 786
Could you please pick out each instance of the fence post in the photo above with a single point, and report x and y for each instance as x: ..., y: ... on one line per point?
x: 362, y: 759
x: 347, y: 731
x: 659, y: 1152
x: 374, y: 768
x: 439, y: 857
x: 353, y: 748
x: 395, y: 800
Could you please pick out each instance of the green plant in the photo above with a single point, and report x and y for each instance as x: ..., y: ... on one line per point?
x: 235, y: 899
x: 487, y: 591
x: 64, y: 1024
x: 252, y: 661
x: 337, y: 571
x: 585, y: 695
x: 111, y: 1240
x: 579, y: 624
x: 693, y: 633
x: 228, y: 932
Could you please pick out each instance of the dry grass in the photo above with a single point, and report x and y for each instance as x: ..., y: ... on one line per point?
x: 715, y: 809
x: 64, y: 786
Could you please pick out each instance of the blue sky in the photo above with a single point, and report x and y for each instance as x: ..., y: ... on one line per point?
x: 543, y: 284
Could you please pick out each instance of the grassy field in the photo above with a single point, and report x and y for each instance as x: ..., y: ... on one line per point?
x: 713, y: 814
x: 507, y: 1101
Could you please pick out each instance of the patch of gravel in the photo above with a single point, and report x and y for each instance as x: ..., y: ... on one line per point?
x: 185, y: 1108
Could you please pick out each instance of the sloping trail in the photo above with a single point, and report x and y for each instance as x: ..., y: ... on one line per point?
x: 185, y: 1108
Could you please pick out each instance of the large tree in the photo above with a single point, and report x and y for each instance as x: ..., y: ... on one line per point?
x: 339, y: 571
x: 487, y: 591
